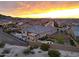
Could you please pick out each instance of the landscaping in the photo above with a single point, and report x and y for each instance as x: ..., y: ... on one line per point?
x: 2, y: 45
x: 59, y: 38
x: 53, y: 53
x: 44, y: 47
x: 6, y: 51
x: 72, y: 43
x: 27, y: 51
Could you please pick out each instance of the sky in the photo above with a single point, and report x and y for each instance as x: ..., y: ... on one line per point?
x: 40, y: 9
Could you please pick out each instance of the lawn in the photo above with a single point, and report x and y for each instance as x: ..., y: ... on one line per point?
x: 59, y: 38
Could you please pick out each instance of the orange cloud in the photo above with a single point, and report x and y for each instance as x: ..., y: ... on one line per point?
x: 39, y: 7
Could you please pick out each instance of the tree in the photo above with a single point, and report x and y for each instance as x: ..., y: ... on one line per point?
x: 53, y: 53
x: 72, y: 43
x: 44, y: 47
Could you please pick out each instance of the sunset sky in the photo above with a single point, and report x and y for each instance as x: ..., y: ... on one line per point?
x: 40, y: 9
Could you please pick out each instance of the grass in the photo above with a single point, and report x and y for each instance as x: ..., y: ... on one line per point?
x: 59, y: 38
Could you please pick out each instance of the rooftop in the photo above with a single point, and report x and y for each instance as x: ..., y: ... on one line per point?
x: 38, y: 29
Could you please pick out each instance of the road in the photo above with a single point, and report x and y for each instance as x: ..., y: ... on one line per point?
x: 64, y: 47
x: 6, y: 38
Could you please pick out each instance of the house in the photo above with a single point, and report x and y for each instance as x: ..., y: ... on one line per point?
x: 38, y: 31
x: 20, y: 36
x: 32, y: 37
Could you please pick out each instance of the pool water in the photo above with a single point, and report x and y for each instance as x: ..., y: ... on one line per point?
x: 76, y: 30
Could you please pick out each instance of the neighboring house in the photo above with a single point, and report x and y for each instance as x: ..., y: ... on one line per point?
x: 60, y: 26
x: 32, y: 37
x: 21, y: 36
x: 40, y: 30
x: 37, y: 31
x: 63, y: 28
x: 50, y: 23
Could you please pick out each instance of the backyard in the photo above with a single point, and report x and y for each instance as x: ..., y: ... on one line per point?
x: 59, y: 38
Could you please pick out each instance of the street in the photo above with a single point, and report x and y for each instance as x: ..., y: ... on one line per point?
x: 6, y: 38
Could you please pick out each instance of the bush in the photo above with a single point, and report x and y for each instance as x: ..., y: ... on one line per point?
x: 44, y: 47
x: 32, y: 52
x: 2, y: 55
x: 53, y: 53
x: 8, y: 31
x: 72, y: 43
x: 16, y: 55
x: 35, y: 46
x: 31, y: 48
x: 6, y: 51
x: 2, y: 45
x: 27, y: 51
x: 39, y: 51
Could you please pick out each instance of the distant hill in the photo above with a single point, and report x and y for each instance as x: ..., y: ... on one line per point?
x: 18, y: 18
x: 4, y: 18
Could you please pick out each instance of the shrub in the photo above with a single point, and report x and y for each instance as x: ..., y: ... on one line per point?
x: 6, y: 51
x: 39, y: 51
x: 2, y: 45
x: 8, y: 31
x: 35, y: 46
x: 16, y: 55
x: 2, y: 55
x: 31, y: 48
x: 72, y: 43
x: 44, y: 47
x: 32, y: 52
x: 53, y: 53
x: 27, y: 51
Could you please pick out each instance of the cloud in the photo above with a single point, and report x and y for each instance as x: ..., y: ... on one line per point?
x: 19, y: 8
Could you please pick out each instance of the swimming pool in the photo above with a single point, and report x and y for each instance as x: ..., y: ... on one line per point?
x: 76, y: 30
